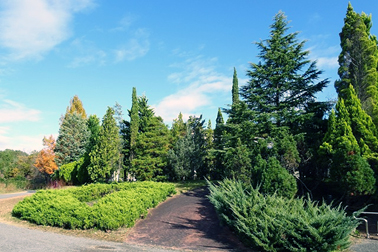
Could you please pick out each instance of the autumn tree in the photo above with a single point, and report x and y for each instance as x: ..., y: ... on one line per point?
x: 76, y: 106
x: 45, y: 161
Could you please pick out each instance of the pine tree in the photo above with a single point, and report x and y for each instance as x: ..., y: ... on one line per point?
x: 105, y: 154
x: 283, y: 83
x: 72, y: 140
x: 197, y: 126
x: 358, y: 61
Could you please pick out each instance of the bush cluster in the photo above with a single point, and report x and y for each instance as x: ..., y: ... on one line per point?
x: 114, y: 205
x: 274, y: 223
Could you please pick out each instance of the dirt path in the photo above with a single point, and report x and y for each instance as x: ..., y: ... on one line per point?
x: 187, y: 221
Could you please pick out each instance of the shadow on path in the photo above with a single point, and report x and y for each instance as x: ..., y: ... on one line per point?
x: 187, y: 221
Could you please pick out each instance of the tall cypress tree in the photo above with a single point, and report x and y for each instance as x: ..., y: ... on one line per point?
x: 134, y: 123
x: 235, y: 88
x: 358, y: 61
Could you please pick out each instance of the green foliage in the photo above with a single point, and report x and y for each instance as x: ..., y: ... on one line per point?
x: 178, y: 128
x: 351, y: 136
x: 359, y: 60
x: 72, y: 172
x: 238, y: 163
x: 284, y: 81
x: 271, y: 178
x: 151, y: 151
x: 181, y: 158
x: 72, y: 140
x: 117, y: 205
x: 235, y: 88
x: 9, y: 163
x: 105, y: 154
x: 273, y: 223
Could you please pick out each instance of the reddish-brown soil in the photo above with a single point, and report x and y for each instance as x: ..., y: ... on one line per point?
x: 187, y: 221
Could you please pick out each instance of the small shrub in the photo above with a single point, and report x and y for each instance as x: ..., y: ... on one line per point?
x: 275, y: 223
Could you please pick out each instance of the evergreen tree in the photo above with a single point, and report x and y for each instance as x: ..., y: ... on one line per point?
x: 105, y: 154
x: 218, y: 147
x: 181, y: 157
x: 72, y: 140
x: 151, y: 150
x: 178, y: 128
x: 196, y: 124
x: 235, y: 88
x: 134, y: 123
x: 344, y: 146
x: 283, y: 83
x: 358, y: 61
x: 94, y: 127
x: 238, y: 163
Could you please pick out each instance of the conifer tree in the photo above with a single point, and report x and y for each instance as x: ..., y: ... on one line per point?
x: 358, y: 61
x: 105, y: 154
x: 284, y: 81
x: 235, y: 88
x: 346, y: 145
x: 76, y: 106
x: 72, y: 140
x: 134, y: 123
x: 178, y: 128
x: 151, y: 150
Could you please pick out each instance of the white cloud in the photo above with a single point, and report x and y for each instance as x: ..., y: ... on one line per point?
x: 11, y: 111
x: 135, y: 47
x: 88, y: 54
x: 201, y: 84
x: 30, y: 28
x: 23, y: 143
x: 327, y: 62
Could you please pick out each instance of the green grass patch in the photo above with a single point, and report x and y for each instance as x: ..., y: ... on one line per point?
x: 184, y: 186
x: 114, y: 205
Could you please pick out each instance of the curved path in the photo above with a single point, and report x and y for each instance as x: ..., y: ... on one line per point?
x: 186, y: 221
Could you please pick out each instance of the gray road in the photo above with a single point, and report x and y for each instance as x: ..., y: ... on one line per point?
x: 11, y: 195
x: 14, y: 239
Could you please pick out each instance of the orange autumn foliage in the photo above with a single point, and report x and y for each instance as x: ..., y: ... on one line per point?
x: 45, y: 161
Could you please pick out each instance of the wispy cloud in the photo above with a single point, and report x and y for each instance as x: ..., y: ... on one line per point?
x: 23, y: 143
x: 87, y: 53
x: 28, y: 29
x: 200, y: 83
x: 11, y: 111
x: 137, y: 46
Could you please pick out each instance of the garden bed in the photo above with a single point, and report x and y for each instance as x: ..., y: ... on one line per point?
x: 117, y: 205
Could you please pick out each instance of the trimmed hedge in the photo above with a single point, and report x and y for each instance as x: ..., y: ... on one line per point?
x: 274, y: 223
x: 117, y: 205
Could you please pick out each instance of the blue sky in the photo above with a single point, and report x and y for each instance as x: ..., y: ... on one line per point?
x: 180, y: 54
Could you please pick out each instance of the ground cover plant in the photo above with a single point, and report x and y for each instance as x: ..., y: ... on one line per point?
x: 274, y: 223
x: 102, y: 206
